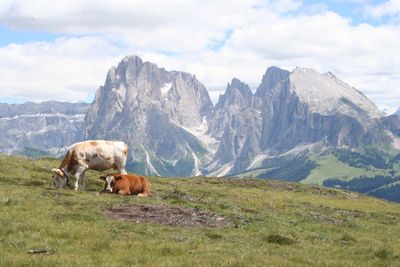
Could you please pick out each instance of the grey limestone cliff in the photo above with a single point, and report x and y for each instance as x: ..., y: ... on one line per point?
x: 153, y: 111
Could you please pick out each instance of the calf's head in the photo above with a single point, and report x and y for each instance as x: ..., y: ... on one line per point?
x: 59, y: 178
x: 110, y: 182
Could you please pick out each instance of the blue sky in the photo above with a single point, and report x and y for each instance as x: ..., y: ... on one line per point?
x: 63, y: 50
x: 9, y: 35
x: 353, y: 10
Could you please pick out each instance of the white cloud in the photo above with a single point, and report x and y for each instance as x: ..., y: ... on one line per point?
x: 67, y: 69
x: 250, y: 36
x: 390, y: 8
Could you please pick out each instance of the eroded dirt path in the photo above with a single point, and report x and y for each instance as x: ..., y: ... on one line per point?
x: 166, y: 215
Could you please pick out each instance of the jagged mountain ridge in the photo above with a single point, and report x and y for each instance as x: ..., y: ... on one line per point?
x: 175, y: 121
x: 285, y: 116
x: 173, y: 129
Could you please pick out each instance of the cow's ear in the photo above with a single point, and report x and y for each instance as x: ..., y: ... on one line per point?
x: 58, y: 172
x: 117, y: 177
x: 103, y: 178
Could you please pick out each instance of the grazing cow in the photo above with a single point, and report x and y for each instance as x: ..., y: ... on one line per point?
x: 98, y: 155
x: 126, y: 184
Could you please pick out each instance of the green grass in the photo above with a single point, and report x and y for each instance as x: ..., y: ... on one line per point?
x: 271, y: 224
x: 330, y: 167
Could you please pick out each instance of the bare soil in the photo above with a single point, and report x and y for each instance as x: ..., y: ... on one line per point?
x: 166, y: 215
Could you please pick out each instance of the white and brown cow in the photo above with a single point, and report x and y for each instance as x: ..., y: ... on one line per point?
x: 98, y: 155
x: 126, y: 184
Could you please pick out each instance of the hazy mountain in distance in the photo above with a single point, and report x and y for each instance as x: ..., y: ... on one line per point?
x: 37, y: 129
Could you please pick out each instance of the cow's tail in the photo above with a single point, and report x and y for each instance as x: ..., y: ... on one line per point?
x: 66, y: 160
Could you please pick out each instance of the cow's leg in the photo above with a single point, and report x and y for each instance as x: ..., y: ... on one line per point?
x: 78, y: 175
x: 120, y: 164
x: 68, y: 182
x: 122, y: 170
x: 84, y: 180
x: 124, y: 192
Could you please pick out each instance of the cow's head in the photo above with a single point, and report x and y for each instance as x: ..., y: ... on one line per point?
x: 110, y: 182
x: 59, y: 178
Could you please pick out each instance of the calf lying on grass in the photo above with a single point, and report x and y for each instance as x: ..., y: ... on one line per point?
x: 126, y: 184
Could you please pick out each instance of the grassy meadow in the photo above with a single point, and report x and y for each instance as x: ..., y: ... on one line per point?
x: 266, y: 223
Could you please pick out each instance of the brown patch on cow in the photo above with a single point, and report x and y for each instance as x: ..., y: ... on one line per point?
x: 66, y: 160
x: 94, y: 143
x: 73, y: 161
x: 166, y: 215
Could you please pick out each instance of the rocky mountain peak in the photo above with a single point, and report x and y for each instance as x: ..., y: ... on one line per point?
x: 273, y: 79
x: 327, y: 95
x: 154, y: 111
x: 237, y: 93
x: 242, y: 87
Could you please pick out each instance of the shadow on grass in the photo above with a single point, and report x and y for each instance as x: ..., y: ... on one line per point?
x: 279, y: 239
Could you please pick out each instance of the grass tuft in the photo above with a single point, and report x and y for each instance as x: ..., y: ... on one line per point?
x: 346, y: 239
x: 279, y: 239
x: 213, y: 235
x: 384, y: 254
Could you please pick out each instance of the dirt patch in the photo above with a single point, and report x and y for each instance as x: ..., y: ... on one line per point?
x: 166, y: 215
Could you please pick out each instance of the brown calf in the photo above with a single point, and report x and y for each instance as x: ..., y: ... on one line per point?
x: 126, y: 184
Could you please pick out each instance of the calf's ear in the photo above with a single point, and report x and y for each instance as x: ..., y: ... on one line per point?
x: 117, y: 177
x: 103, y: 178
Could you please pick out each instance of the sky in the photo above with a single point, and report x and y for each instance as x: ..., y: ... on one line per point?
x: 62, y: 50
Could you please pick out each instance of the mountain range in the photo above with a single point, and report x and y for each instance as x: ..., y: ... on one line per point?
x: 298, y: 125
x: 40, y: 129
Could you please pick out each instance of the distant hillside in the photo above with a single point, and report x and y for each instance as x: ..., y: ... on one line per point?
x: 190, y: 222
x: 370, y: 170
